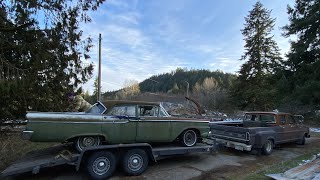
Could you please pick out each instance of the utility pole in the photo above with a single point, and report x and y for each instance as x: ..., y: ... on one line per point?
x: 99, y: 73
x: 187, y: 88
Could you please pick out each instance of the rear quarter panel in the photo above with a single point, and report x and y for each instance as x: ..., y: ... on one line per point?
x: 58, y: 127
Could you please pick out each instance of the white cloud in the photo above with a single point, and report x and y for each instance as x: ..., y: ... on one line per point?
x: 137, y: 44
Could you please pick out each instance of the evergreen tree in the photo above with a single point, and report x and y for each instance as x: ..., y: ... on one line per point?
x: 303, y: 66
x: 42, y: 43
x: 254, y: 89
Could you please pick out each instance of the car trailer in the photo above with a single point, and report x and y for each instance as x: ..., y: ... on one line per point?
x: 101, y: 161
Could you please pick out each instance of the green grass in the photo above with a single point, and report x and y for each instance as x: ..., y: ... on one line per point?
x: 12, y: 148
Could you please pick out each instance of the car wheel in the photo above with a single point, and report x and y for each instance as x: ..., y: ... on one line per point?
x: 302, y: 141
x: 189, y: 138
x: 135, y: 162
x: 101, y: 165
x: 86, y: 141
x: 267, y: 147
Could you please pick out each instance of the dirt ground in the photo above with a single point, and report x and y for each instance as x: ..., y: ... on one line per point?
x: 226, y: 164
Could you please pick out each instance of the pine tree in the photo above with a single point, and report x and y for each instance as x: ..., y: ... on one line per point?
x: 253, y: 89
x: 41, y: 40
x: 303, y: 65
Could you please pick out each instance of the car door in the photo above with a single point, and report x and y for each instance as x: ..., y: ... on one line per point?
x: 284, y: 128
x: 152, y: 127
x: 120, y: 124
x: 295, y: 129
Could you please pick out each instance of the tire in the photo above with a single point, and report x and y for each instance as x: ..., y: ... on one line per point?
x: 189, y: 138
x: 101, y: 165
x: 267, y: 147
x: 302, y: 141
x: 86, y: 141
x: 135, y: 162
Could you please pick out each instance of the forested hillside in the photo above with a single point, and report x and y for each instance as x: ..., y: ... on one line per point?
x: 210, y: 88
x: 180, y: 80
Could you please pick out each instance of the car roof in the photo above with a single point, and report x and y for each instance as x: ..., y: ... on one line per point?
x: 111, y: 103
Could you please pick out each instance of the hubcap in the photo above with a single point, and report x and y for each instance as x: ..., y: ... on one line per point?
x: 135, y: 162
x: 189, y: 138
x: 87, y: 141
x: 268, y: 146
x: 101, y: 165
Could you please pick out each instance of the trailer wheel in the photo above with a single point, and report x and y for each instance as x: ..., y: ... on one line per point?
x: 267, y: 147
x: 189, y: 138
x: 86, y: 141
x: 135, y: 162
x: 101, y: 165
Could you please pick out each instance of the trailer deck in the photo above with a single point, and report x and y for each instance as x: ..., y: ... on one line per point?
x: 65, y: 155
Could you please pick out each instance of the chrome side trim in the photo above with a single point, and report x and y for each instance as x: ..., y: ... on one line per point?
x: 76, y: 122
x: 171, y: 121
x: 63, y: 116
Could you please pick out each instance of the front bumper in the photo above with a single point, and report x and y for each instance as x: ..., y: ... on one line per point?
x: 26, y: 135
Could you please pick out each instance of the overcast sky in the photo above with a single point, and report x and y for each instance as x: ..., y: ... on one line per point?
x: 141, y: 38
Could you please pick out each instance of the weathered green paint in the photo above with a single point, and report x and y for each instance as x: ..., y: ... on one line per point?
x: 60, y: 127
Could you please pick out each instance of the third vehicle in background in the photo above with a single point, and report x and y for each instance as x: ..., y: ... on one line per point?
x: 260, y: 130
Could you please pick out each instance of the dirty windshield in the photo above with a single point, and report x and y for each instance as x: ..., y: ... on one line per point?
x: 97, y: 108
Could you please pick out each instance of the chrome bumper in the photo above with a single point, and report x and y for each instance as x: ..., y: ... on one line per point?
x: 235, y: 145
x: 26, y: 135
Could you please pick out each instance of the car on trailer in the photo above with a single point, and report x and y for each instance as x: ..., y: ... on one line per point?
x: 114, y: 122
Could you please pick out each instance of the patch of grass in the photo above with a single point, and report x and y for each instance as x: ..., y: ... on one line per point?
x: 12, y: 148
x: 280, y: 167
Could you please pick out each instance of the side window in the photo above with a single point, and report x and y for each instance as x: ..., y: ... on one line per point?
x: 267, y: 118
x: 148, y: 111
x: 247, y: 117
x: 251, y: 117
x: 123, y: 111
x: 290, y: 119
x: 282, y: 119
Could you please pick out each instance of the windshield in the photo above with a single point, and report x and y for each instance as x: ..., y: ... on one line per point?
x: 97, y: 108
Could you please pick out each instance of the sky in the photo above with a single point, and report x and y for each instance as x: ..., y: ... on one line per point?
x: 141, y: 38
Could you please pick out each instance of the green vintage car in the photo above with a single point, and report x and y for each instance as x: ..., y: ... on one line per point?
x: 114, y: 122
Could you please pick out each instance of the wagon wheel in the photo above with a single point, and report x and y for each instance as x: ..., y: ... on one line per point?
x: 189, y: 138
x: 267, y: 147
x: 86, y: 141
x: 135, y: 162
x: 101, y: 165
